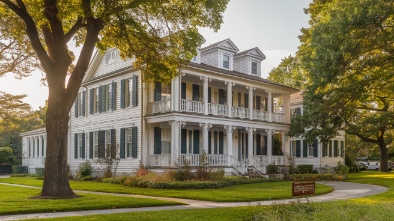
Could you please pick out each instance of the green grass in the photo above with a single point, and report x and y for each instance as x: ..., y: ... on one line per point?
x: 237, y: 193
x: 16, y: 200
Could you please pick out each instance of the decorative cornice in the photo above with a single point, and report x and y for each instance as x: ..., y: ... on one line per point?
x: 205, y: 79
x: 206, y: 125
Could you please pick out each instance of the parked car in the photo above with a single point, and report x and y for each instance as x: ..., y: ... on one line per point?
x: 361, y: 166
x: 376, y: 166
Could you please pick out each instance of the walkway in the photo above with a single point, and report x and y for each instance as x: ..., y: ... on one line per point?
x: 342, y: 191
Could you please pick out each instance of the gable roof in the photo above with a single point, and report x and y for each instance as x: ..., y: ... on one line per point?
x: 226, y: 44
x: 296, y: 98
x: 34, y: 132
x: 253, y: 52
x: 93, y: 65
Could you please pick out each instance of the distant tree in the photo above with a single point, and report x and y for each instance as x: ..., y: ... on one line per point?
x: 6, y: 156
x: 159, y: 34
x: 348, y: 54
x: 289, y: 72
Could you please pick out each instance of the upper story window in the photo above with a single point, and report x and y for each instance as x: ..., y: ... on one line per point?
x: 295, y: 112
x: 226, y: 61
x: 254, y: 68
x: 111, y: 57
x: 79, y: 104
x: 129, y: 92
x: 103, y: 98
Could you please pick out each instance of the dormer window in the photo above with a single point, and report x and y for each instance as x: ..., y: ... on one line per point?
x: 254, y: 68
x: 226, y: 61
x: 111, y: 57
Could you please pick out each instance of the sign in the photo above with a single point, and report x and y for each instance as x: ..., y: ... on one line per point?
x: 305, y: 188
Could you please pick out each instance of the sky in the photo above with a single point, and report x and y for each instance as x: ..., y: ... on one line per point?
x: 271, y: 25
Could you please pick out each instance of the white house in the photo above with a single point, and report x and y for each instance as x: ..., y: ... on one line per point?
x: 218, y: 105
x: 316, y: 153
x: 34, y: 149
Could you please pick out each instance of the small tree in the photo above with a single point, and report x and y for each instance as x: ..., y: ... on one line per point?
x: 6, y: 156
x: 109, y: 161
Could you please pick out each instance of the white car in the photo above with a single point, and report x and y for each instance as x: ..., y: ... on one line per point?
x: 373, y: 166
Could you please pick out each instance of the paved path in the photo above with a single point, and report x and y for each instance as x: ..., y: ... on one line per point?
x: 342, y: 191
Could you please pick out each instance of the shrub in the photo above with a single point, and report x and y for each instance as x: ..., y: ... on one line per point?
x: 315, y: 177
x: 84, y: 169
x: 17, y: 169
x: 40, y: 173
x: 305, y: 168
x: 272, y: 169
x: 341, y: 169
x: 85, y: 178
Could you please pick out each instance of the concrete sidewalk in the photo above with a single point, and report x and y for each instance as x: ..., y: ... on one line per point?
x: 342, y: 191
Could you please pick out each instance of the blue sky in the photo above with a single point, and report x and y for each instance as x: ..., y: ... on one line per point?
x: 271, y: 25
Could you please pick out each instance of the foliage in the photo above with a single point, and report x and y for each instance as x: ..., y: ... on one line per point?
x: 272, y: 169
x: 40, y: 173
x: 84, y: 169
x: 348, y: 55
x: 277, y: 145
x: 6, y: 156
x: 305, y: 168
x: 341, y: 169
x: 315, y: 177
x: 289, y: 72
x: 353, y: 167
x: 110, y: 160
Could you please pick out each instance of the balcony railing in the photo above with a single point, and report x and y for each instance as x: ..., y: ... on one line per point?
x: 218, y: 109
x: 260, y: 115
x: 162, y: 106
x: 240, y: 112
x: 192, y: 106
x: 278, y: 117
x: 266, y: 160
x: 160, y: 160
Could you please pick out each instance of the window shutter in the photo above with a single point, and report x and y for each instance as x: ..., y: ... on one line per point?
x: 246, y: 100
x: 157, y: 140
x: 113, y: 144
x: 342, y: 147
x: 183, y: 90
x: 258, y: 102
x: 324, y: 149
x: 215, y: 142
x: 122, y: 143
x: 91, y: 100
x: 298, y: 148
x: 209, y: 94
x: 258, y: 146
x: 83, y: 102
x: 305, y: 148
x: 220, y: 142
x: 330, y: 148
x: 315, y: 145
x: 157, y: 94
x: 335, y: 148
x: 134, y: 140
x: 76, y: 107
x: 265, y: 145
x: 113, y: 96
x: 122, y: 94
x: 221, y: 96
x: 75, y: 146
x: 183, y: 141
x: 134, y: 92
x: 239, y: 99
x: 209, y: 142
x: 196, y: 92
x: 101, y: 143
x: 100, y: 99
x: 196, y: 143
x: 83, y: 146
x: 91, y: 145
x: 266, y: 104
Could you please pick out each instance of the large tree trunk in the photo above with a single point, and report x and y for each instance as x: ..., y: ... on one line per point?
x: 56, y: 175
x: 383, y: 157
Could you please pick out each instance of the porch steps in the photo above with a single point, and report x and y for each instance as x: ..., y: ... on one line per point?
x: 254, y: 173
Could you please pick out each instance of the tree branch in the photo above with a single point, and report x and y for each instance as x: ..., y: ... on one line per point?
x: 78, y: 24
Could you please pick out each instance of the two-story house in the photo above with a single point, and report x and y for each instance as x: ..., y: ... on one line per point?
x: 219, y: 105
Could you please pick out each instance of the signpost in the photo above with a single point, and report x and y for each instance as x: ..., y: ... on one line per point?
x: 304, y: 188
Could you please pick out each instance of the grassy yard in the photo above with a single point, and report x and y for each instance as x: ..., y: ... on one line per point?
x: 16, y: 200
x: 237, y: 193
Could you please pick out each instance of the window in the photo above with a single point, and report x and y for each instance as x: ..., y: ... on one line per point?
x: 79, y: 104
x: 128, y: 142
x: 107, y: 143
x: 165, y: 91
x: 226, y: 61
x: 293, y: 147
x: 94, y: 101
x: 107, y: 97
x: 95, y: 144
x: 295, y: 112
x: 111, y: 57
x: 79, y: 145
x: 254, y: 67
x: 129, y: 92
x: 38, y: 146
x: 42, y: 146
x: 310, y: 150
x: 29, y: 146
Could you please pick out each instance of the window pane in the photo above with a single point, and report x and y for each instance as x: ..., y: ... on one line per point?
x: 226, y: 61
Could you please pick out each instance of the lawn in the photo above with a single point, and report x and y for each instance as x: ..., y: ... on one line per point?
x: 237, y: 193
x: 16, y: 200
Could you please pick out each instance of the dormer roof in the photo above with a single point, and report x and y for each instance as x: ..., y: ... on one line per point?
x: 253, y: 52
x: 226, y: 44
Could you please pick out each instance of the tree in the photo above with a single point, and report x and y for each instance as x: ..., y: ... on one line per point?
x: 159, y: 34
x: 6, y: 156
x: 348, y: 54
x: 290, y: 73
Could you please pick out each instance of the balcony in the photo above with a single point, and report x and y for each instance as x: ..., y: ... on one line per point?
x: 218, y: 109
x: 158, y: 107
x: 239, y: 112
x: 192, y: 106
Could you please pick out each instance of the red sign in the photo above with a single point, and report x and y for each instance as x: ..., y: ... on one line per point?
x: 306, y: 188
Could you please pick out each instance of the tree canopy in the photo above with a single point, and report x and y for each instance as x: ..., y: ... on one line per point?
x: 348, y: 55
x: 159, y: 34
x: 289, y: 72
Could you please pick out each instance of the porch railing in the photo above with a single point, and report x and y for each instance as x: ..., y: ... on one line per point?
x: 218, y: 160
x: 218, y: 109
x: 260, y: 165
x: 161, y: 160
x: 266, y: 160
x: 260, y: 115
x: 192, y: 106
x: 237, y: 165
x: 240, y: 112
x: 278, y: 117
x: 162, y: 106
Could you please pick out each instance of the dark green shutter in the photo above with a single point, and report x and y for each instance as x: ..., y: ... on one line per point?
x: 42, y: 145
x: 122, y: 94
x: 83, y: 102
x: 113, y: 105
x: 209, y: 94
x: 157, y: 140
x: 258, y: 146
x: 101, y: 143
x: 324, y: 149
x: 221, y: 96
x: 305, y: 148
x: 298, y: 148
x: 157, y: 93
x: 100, y: 99
x: 335, y: 148
x: 75, y: 146
x: 91, y: 100
x: 196, y: 92
x: 122, y: 143
x: 221, y: 142
x: 258, y: 102
x: 342, y: 147
x: 330, y: 148
x: 246, y: 100
x: 209, y: 142
x: 196, y: 141
x: 183, y: 90
x: 83, y: 146
x: 113, y: 144
x: 266, y: 105
x: 134, y: 142
x: 183, y: 141
x: 134, y: 92
x: 315, y: 149
x: 91, y: 145
x: 76, y: 106
x: 215, y: 142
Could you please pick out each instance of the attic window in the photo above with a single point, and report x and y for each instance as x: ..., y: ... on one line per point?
x: 254, y: 68
x: 226, y: 61
x: 110, y: 57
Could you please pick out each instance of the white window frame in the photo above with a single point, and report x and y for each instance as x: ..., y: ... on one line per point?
x: 79, y: 150
x: 251, y: 67
x: 229, y: 58
x: 111, y: 57
x: 310, y: 149
x: 107, y: 142
x: 293, y: 148
x: 128, y: 142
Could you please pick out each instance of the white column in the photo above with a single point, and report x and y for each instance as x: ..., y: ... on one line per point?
x: 269, y: 145
x: 229, y: 129
x: 229, y: 96
x: 250, y: 144
x: 175, y: 93
x: 205, y: 92
x: 174, y: 141
x: 251, y: 89
x: 205, y: 128
x: 269, y: 106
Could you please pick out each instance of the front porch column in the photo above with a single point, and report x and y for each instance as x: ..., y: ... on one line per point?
x: 229, y: 130
x: 205, y: 92
x: 269, y: 145
x: 250, y: 144
x: 229, y: 96
x: 269, y: 105
x: 205, y: 128
x: 251, y: 89
x: 286, y: 108
x: 174, y: 142
x: 175, y: 93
